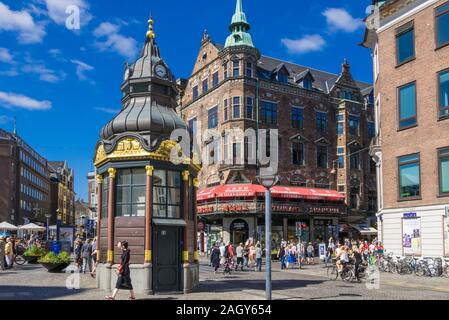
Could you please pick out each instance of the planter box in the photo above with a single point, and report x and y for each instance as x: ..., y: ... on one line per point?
x: 55, y: 267
x: 31, y: 259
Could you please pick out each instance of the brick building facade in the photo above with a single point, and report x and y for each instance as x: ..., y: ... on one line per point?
x: 411, y: 60
x: 325, y: 123
x: 24, y: 182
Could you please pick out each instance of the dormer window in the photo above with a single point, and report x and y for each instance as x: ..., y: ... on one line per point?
x: 307, y: 83
x: 347, y: 95
x: 282, y: 77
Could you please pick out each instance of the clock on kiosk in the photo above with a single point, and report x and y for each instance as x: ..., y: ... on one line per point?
x: 161, y: 71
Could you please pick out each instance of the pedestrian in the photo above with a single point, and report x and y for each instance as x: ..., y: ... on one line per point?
x: 358, y: 259
x: 231, y: 250
x: 94, y: 257
x: 281, y: 256
x: 123, y: 272
x: 78, y: 259
x: 252, y: 255
x: 86, y: 254
x: 8, y: 253
x: 2, y: 254
x: 222, y: 253
x: 245, y: 255
x: 330, y: 250
x: 310, y: 254
x: 239, y: 254
x: 215, y: 258
x: 259, y: 257
x: 14, y: 249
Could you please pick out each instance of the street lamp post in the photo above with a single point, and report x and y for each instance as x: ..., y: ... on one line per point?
x: 268, y: 182
x: 48, y: 216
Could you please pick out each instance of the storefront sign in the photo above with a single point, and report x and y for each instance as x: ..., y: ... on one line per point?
x: 411, y: 237
x: 328, y: 210
x: 287, y: 208
x: 205, y: 210
x: 409, y: 215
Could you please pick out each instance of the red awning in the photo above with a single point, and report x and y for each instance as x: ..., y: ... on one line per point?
x: 231, y: 191
x: 206, y: 194
x: 306, y: 193
x: 254, y: 190
x: 240, y: 190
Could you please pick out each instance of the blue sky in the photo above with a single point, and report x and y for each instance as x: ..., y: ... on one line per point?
x: 62, y: 84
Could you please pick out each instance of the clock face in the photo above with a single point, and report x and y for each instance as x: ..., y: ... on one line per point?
x: 161, y: 71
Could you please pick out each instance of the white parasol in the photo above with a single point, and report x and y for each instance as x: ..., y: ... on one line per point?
x: 7, y: 226
x: 32, y: 227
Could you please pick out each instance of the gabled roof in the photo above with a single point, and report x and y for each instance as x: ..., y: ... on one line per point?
x: 323, y: 80
x: 302, y: 75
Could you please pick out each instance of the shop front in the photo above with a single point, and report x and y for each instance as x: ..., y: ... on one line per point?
x: 297, y: 213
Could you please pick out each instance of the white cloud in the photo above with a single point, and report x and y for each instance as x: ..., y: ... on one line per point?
x: 81, y: 68
x: 10, y: 73
x: 308, y: 43
x: 340, y: 19
x: 21, y: 22
x: 4, y: 119
x: 13, y: 100
x: 39, y: 68
x: 55, y: 52
x: 6, y: 56
x: 108, y: 110
x: 57, y: 10
x: 114, y: 41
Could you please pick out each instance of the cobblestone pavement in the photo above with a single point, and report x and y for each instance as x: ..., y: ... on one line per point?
x: 33, y: 282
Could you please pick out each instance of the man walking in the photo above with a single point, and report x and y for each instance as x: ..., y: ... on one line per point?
x: 259, y: 257
x: 86, y: 254
x: 239, y: 253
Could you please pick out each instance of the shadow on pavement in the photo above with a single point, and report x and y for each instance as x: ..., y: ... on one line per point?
x: 221, y: 285
x: 35, y: 293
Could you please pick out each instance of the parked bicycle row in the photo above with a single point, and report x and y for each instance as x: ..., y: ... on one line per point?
x: 420, y: 266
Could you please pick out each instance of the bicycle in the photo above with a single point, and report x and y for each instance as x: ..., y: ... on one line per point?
x: 228, y: 266
x: 19, y: 259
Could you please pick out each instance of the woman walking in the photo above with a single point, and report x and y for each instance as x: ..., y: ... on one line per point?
x: 291, y: 259
x: 215, y: 258
x: 123, y: 272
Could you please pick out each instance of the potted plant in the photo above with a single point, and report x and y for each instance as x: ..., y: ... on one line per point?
x: 33, y: 253
x: 55, y: 263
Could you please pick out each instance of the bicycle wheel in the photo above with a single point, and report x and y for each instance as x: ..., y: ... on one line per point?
x: 20, y: 260
x: 347, y: 274
x: 332, y: 273
x: 446, y: 271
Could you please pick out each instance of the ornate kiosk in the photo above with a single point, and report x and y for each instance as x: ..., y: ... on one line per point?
x: 143, y: 196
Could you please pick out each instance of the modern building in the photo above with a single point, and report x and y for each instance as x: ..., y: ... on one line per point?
x: 409, y: 40
x: 62, y: 192
x: 325, y: 123
x: 24, y: 182
x: 144, y: 195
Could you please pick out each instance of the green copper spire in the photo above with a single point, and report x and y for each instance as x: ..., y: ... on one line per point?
x: 239, y: 29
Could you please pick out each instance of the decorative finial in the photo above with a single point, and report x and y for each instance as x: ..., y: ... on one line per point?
x: 150, y: 33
